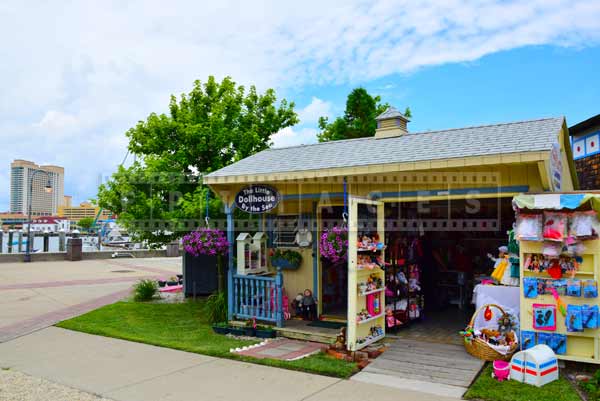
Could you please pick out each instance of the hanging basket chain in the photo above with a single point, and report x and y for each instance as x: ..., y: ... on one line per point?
x: 345, y: 213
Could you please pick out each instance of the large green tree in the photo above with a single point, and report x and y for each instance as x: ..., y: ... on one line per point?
x: 160, y: 196
x: 358, y: 120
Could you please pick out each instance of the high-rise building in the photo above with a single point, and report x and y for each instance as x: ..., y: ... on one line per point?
x: 44, y: 203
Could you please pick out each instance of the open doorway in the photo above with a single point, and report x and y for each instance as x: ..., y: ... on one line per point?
x: 437, y: 252
x: 333, y: 276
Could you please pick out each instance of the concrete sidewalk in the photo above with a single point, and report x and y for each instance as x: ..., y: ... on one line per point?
x: 127, y: 371
x: 37, y: 295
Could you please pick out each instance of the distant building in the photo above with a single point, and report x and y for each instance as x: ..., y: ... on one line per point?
x: 49, y: 224
x: 85, y: 209
x: 43, y: 203
x: 68, y: 202
x: 12, y: 220
x: 585, y: 139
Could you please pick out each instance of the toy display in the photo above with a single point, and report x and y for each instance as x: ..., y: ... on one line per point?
x: 502, y: 268
x: 527, y: 339
x: 581, y: 224
x: 370, y: 243
x: 564, y: 262
x: 494, y: 341
x: 590, y: 289
x: 555, y: 226
x: 375, y: 332
x: 574, y: 320
x: 544, y: 317
x: 373, y: 283
x: 589, y: 316
x: 529, y: 227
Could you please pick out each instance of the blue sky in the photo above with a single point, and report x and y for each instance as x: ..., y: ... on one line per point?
x: 74, y: 83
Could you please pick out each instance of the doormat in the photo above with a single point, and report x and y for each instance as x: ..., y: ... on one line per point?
x: 327, y: 324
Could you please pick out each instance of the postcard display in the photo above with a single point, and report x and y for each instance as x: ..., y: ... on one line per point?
x: 559, y: 273
x: 366, y: 277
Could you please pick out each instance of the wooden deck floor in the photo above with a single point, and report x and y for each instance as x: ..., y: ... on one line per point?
x: 441, y: 369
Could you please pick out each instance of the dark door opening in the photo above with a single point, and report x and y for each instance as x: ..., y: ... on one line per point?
x: 334, y: 277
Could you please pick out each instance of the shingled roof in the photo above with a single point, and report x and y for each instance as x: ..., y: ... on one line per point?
x: 485, y: 140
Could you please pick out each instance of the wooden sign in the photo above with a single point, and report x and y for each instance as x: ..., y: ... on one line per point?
x: 257, y: 199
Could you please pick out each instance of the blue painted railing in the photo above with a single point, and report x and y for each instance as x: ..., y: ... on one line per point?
x: 256, y: 297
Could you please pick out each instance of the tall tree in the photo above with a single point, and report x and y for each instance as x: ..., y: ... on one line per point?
x: 160, y: 197
x: 358, y: 120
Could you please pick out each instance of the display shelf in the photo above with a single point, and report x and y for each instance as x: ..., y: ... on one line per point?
x: 369, y: 342
x: 362, y: 294
x: 365, y: 250
x: 370, y: 319
x: 377, y: 269
x: 581, y: 346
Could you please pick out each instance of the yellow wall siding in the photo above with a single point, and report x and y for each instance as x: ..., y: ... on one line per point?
x: 296, y: 281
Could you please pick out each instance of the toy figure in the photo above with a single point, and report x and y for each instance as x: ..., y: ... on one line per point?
x: 297, y: 304
x: 309, y: 305
x: 502, y: 268
x: 390, y: 320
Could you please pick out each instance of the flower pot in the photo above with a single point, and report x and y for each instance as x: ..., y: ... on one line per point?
x: 284, y: 264
x: 265, y: 333
x: 249, y: 331
x: 221, y: 329
x: 162, y: 283
x: 171, y: 283
x: 237, y: 331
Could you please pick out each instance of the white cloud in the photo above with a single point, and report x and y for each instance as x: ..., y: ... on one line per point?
x: 291, y: 137
x: 315, y: 109
x: 77, y: 75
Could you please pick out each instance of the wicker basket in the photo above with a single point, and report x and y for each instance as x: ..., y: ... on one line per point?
x: 481, y: 349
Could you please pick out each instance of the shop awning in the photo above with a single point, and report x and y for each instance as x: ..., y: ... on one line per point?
x: 557, y: 201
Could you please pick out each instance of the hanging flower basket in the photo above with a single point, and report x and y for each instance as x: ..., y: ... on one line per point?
x: 206, y: 241
x: 333, y: 244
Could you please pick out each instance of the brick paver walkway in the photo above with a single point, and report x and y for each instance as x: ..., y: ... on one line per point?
x: 283, y: 349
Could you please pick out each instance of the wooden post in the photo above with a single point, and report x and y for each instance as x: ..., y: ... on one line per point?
x: 10, y: 241
x: 1, y: 238
x: 62, y: 236
x: 279, y: 300
x: 20, y: 241
x: 230, y: 236
x: 46, y: 242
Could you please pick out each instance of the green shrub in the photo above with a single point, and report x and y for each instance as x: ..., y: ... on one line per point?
x: 145, y: 290
x: 215, y: 308
x: 592, y: 387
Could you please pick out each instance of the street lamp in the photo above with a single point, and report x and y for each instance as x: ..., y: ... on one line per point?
x: 48, y: 190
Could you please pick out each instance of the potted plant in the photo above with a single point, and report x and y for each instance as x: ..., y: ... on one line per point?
x: 162, y: 283
x: 286, y: 259
x: 265, y: 332
x: 333, y: 244
x: 221, y: 328
x: 172, y: 281
x: 237, y: 331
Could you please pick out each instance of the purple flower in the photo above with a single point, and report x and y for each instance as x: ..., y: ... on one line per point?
x: 206, y: 241
x: 334, y: 244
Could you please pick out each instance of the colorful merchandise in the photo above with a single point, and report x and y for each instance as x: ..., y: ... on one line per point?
x: 555, y: 226
x: 530, y: 287
x: 574, y: 288
x: 560, y: 286
x: 529, y: 227
x: 501, y: 370
x: 528, y: 339
x: 544, y: 338
x: 552, y: 249
x: 544, y: 317
x: 589, y: 316
x: 590, y: 289
x: 559, y: 303
x: 581, y: 223
x: 558, y: 343
x: 574, y: 320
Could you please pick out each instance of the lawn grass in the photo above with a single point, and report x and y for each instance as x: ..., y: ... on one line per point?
x: 181, y: 326
x: 489, y: 389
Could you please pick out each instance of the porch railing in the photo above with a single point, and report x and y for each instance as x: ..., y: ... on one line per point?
x: 256, y: 297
